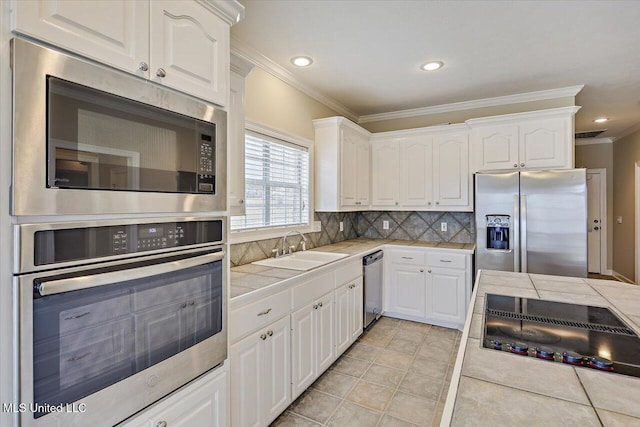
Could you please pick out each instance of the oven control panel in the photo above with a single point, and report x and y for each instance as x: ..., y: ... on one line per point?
x: 61, y: 245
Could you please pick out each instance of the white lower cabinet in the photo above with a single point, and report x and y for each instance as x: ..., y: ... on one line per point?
x: 260, y: 375
x: 428, y: 285
x: 349, y: 312
x: 446, y: 295
x: 406, y: 293
x: 203, y: 403
x: 312, y: 342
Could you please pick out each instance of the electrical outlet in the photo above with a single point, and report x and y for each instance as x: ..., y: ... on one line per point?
x: 443, y: 226
x: 619, y: 220
x: 385, y: 225
x: 341, y: 226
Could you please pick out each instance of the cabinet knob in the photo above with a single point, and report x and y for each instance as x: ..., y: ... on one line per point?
x: 161, y: 73
x: 320, y: 304
x: 522, y: 164
x: 161, y: 424
x: 270, y: 333
x: 596, y: 228
x: 428, y: 271
x: 144, y: 66
x: 515, y: 165
x: 437, y: 203
x: 241, y: 201
x: 396, y: 203
x: 263, y: 337
x: 183, y: 305
x: 422, y: 270
x: 315, y: 306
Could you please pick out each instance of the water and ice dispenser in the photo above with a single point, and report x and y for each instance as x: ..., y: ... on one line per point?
x: 498, y: 229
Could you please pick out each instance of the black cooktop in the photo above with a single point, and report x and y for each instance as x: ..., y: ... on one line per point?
x: 579, y: 335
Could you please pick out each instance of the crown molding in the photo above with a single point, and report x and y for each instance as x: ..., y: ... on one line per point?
x: 244, y: 50
x: 628, y: 131
x: 240, y: 65
x: 477, y: 103
x: 423, y: 131
x: 340, y: 121
x: 527, y: 115
x: 593, y: 141
x: 230, y: 10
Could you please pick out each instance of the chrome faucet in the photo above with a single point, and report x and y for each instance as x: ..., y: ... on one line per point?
x: 303, y: 242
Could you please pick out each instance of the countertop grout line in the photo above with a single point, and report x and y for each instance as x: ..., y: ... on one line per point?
x: 575, y: 372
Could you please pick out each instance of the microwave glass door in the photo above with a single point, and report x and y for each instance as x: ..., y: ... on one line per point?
x: 100, y: 141
x: 89, y: 339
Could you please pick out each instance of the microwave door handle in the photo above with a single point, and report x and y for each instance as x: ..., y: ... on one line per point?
x: 83, y: 282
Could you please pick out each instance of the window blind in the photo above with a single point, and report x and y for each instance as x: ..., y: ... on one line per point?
x: 276, y: 184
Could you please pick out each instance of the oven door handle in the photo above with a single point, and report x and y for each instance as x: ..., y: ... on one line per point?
x: 83, y: 282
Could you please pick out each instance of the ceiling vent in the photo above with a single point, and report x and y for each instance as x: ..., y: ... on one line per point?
x: 589, y: 134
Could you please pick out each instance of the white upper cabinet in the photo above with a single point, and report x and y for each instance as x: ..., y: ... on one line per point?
x: 451, y: 178
x: 416, y: 182
x: 421, y: 169
x: 189, y: 49
x: 385, y: 166
x: 240, y: 69
x: 113, y: 32
x: 180, y: 44
x: 342, y: 157
x: 535, y: 140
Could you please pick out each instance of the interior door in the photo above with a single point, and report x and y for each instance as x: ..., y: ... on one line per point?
x: 594, y: 219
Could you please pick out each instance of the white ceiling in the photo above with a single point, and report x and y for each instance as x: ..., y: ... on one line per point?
x: 367, y: 53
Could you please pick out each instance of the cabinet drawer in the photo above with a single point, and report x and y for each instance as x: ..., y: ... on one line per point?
x: 258, y: 314
x: 312, y: 290
x: 444, y: 259
x: 348, y: 272
x: 407, y: 257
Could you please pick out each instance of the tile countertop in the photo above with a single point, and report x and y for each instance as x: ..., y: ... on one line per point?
x: 495, y: 388
x: 249, y: 282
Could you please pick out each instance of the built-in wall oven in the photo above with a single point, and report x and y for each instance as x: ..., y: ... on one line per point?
x: 114, y: 315
x: 89, y: 139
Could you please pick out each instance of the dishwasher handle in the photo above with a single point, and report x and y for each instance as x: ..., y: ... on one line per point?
x: 371, y: 258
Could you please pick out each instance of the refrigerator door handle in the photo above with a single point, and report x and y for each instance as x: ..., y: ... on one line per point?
x: 523, y: 232
x: 515, y: 236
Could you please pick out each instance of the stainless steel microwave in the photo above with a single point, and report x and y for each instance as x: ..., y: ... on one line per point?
x: 89, y: 139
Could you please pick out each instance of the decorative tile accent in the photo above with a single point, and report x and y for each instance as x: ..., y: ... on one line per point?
x: 403, y: 225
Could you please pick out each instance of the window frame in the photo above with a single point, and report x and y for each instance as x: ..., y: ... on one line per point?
x: 252, y: 234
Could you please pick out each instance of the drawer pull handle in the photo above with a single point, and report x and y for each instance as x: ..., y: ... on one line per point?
x: 407, y: 257
x: 77, y: 316
x: 445, y: 260
x: 76, y: 358
x: 262, y: 313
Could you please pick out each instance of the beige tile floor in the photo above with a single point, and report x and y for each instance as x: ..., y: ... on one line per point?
x: 397, y: 374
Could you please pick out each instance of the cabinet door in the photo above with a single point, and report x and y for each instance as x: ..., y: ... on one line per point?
x: 385, y: 173
x: 191, y: 45
x: 324, y: 333
x: 362, y: 178
x: 446, y: 295
x: 235, y: 146
x: 543, y: 143
x: 356, y: 310
x: 303, y: 349
x: 343, y: 315
x: 277, y: 370
x: 348, y: 167
x: 451, y: 170
x: 416, y: 173
x: 407, y: 290
x: 495, y: 147
x: 247, y: 358
x: 112, y: 32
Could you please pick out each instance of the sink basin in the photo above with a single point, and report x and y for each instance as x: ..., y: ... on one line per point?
x: 301, y: 261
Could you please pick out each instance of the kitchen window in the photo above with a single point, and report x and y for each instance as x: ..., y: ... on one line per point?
x: 277, y: 190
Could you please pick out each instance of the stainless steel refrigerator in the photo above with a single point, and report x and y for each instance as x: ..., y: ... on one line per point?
x: 533, y: 222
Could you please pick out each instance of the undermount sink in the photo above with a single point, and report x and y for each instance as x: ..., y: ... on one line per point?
x: 302, y: 261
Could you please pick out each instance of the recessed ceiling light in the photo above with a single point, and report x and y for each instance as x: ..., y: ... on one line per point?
x: 432, y: 65
x: 600, y: 120
x: 301, y: 61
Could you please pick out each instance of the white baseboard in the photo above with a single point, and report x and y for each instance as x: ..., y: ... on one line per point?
x: 621, y: 277
x: 607, y: 272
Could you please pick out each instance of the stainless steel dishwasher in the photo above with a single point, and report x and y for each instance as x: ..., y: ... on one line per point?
x: 372, y: 265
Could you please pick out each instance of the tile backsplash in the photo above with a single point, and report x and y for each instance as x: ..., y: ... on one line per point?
x: 403, y: 225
